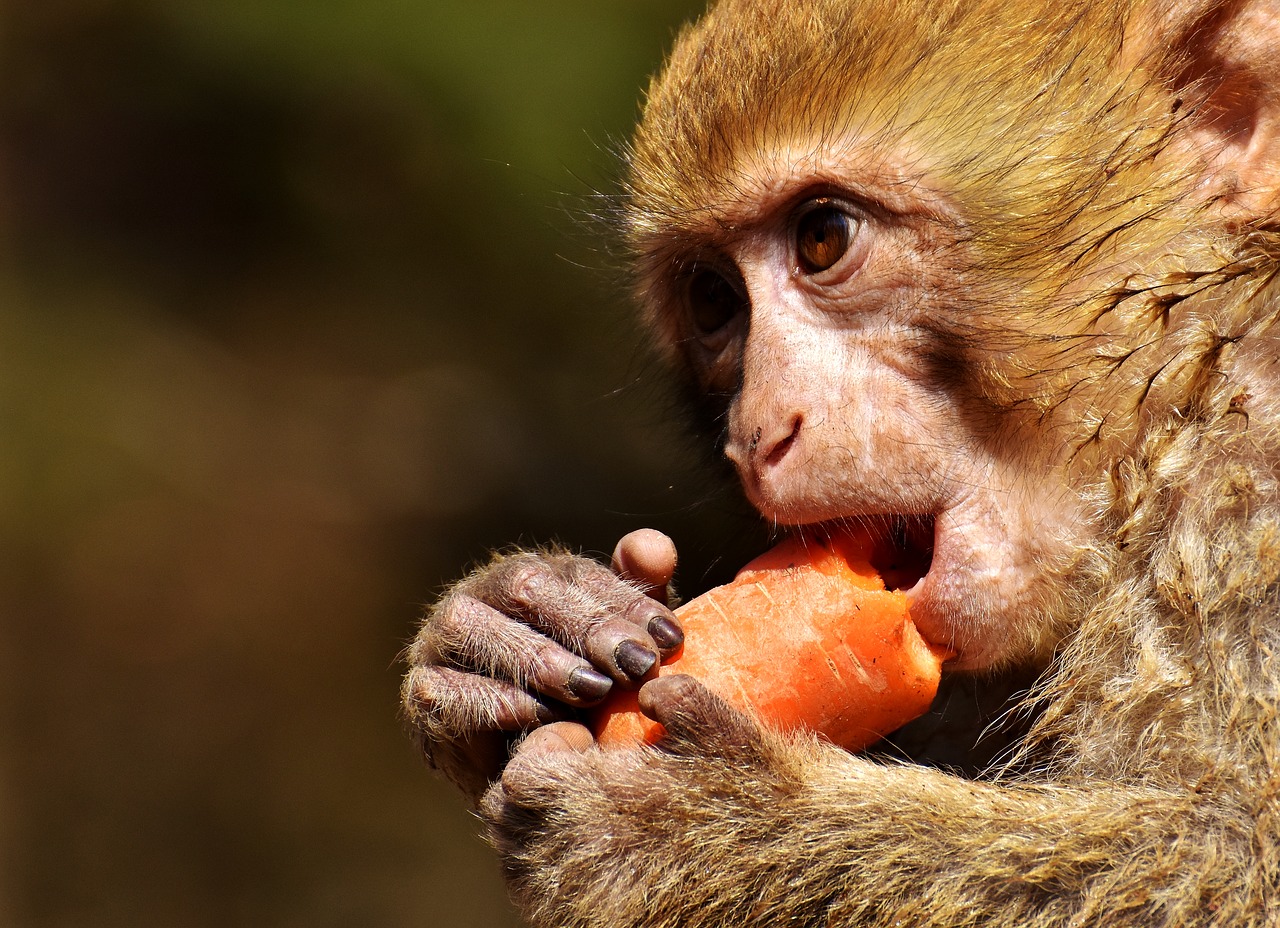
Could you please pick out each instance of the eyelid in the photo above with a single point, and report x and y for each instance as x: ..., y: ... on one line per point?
x: 855, y: 252
x: 857, y: 216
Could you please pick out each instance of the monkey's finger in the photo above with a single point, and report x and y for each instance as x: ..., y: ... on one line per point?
x: 648, y: 558
x: 558, y: 736
x: 656, y: 625
x: 697, y: 721
x: 524, y: 790
x: 448, y: 705
x: 587, y: 608
x: 532, y: 782
x: 478, y: 637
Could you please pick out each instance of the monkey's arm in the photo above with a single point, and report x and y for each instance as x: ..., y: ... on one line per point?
x: 736, y: 826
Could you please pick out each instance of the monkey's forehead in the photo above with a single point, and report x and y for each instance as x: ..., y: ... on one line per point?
x: 897, y: 179
x: 760, y: 78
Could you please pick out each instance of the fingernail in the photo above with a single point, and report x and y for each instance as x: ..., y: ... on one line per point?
x: 665, y: 633
x: 634, y: 658
x: 588, y: 684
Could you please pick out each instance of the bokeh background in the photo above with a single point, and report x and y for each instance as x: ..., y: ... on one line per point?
x: 301, y: 312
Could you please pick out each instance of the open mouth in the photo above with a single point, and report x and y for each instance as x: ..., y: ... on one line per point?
x: 905, y: 551
x: 901, y: 547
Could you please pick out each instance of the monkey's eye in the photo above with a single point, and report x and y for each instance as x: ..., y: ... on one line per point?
x: 713, y: 301
x: 823, y: 235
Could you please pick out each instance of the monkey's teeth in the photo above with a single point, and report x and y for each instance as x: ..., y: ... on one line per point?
x: 913, y: 593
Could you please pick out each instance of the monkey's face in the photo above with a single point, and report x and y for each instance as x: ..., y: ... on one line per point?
x: 820, y: 315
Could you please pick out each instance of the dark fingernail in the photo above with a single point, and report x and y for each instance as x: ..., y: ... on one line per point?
x: 588, y: 685
x: 665, y: 633
x: 634, y: 658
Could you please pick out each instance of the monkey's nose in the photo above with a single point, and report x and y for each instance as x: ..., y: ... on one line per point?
x: 764, y: 448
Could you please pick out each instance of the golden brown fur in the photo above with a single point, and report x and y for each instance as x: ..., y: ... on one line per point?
x: 1110, y: 287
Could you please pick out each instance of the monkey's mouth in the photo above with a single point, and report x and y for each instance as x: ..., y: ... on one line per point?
x: 901, y: 547
x: 903, y: 552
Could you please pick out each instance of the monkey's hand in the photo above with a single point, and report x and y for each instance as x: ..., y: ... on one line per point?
x: 528, y: 639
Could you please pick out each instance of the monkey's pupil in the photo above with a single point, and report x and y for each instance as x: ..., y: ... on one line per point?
x: 822, y: 239
x: 713, y: 301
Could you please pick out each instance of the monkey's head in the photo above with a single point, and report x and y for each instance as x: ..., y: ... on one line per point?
x: 943, y: 265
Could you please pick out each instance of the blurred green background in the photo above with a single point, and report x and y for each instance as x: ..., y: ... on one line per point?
x: 299, y: 315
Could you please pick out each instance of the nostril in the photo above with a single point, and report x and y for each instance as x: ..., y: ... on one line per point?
x: 774, y: 454
x: 763, y: 447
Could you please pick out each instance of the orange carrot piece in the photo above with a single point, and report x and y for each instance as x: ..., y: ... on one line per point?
x: 807, y: 636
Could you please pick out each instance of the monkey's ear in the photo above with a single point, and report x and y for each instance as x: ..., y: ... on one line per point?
x: 1218, y: 58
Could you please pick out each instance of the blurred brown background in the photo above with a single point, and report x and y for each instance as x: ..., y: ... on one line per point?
x: 298, y: 317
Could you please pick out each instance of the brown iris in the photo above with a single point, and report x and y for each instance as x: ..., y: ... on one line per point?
x: 822, y: 238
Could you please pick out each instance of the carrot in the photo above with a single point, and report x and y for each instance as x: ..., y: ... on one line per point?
x: 807, y: 636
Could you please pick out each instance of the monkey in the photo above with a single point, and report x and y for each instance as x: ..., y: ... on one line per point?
x: 1005, y: 274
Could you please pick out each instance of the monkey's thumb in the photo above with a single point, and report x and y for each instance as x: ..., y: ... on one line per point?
x: 697, y: 721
